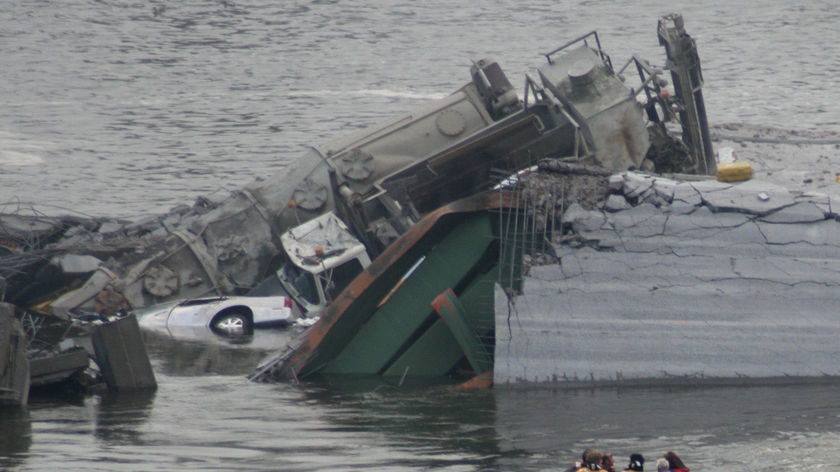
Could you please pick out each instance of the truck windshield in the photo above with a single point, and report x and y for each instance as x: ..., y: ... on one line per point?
x: 341, y: 276
x: 303, y: 282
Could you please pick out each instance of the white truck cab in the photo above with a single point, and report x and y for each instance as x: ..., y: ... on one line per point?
x: 323, y: 257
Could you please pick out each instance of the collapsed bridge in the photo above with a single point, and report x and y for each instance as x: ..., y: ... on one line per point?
x: 379, y: 181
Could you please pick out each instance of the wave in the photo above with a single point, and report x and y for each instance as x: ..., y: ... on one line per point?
x: 387, y: 93
x: 19, y: 159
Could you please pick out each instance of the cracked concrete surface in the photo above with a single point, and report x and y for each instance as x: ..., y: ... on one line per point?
x: 682, y: 280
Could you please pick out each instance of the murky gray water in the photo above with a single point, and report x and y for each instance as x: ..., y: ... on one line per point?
x: 129, y: 108
x: 133, y: 107
x: 207, y: 416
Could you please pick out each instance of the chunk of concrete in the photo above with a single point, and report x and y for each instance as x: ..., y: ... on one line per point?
x: 802, y: 212
x: 121, y: 355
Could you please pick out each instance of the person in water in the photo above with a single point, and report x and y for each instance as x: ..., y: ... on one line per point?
x: 637, y: 462
x: 591, y: 461
x: 607, y: 462
x: 675, y: 463
x: 662, y: 465
x: 579, y: 465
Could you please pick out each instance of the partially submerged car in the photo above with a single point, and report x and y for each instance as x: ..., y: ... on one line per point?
x: 226, y: 316
x: 324, y: 257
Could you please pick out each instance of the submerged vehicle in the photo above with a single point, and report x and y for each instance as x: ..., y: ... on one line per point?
x: 323, y: 257
x: 227, y: 316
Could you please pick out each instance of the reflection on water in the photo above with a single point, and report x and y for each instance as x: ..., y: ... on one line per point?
x: 121, y: 415
x: 434, y: 427
x: 15, y: 437
x: 211, y: 353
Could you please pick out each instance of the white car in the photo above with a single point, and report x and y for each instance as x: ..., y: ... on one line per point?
x: 227, y: 316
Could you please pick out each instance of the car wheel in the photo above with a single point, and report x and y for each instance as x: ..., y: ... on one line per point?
x: 232, y: 323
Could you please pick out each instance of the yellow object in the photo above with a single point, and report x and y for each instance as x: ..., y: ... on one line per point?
x: 734, y: 171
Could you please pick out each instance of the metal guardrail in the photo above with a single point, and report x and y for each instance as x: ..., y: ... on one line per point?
x: 585, y: 40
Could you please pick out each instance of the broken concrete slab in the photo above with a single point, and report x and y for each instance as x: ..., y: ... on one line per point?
x: 76, y: 263
x: 820, y: 239
x: 633, y: 316
x: 756, y: 198
x: 639, y: 221
x: 616, y: 203
x: 800, y: 212
x: 56, y: 367
x: 741, y: 282
x: 636, y: 184
x: 121, y: 355
x: 686, y: 198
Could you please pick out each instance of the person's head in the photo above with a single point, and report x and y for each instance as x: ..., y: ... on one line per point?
x: 637, y: 462
x: 662, y: 465
x: 607, y: 462
x: 674, y: 460
x: 592, y: 459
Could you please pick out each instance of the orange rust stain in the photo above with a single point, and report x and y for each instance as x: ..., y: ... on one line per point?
x: 483, y: 380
